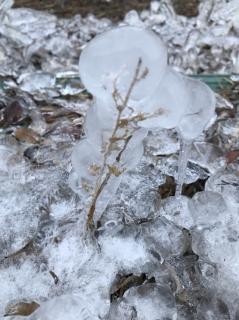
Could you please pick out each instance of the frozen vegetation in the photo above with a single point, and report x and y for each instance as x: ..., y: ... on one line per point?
x: 129, y: 99
x: 119, y: 188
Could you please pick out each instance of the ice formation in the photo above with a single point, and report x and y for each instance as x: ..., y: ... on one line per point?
x: 154, y: 254
x: 133, y: 87
x: 167, y: 103
x: 200, y: 110
x: 101, y: 68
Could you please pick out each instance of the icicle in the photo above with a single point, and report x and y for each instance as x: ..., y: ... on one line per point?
x: 182, y: 164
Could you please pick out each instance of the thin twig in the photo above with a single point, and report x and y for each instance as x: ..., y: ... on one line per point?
x: 120, y: 107
x: 91, y: 212
x: 123, y: 149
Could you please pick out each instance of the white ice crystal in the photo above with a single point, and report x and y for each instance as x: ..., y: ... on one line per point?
x: 215, y: 234
x: 38, y: 26
x: 81, y: 270
x: 127, y: 253
x: 177, y: 211
x: 6, y: 154
x: 101, y: 116
x: 71, y: 307
x: 36, y: 81
x: 168, y: 102
x: 200, y: 109
x: 15, y: 284
x: 100, y: 67
x: 226, y: 183
x: 86, y: 160
x: 152, y: 302
x: 19, y: 216
x: 207, y: 208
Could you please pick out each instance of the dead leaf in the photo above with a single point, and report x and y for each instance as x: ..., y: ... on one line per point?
x: 74, y: 131
x: 168, y: 189
x: 62, y: 113
x: 54, y: 276
x: 225, y: 113
x: 126, y: 282
x: 21, y: 309
x: 27, y: 250
x: 115, y: 171
x: 190, y: 189
x: 27, y: 135
x: 13, y: 113
x: 231, y: 156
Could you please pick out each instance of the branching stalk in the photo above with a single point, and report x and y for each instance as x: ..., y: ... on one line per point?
x: 121, y: 104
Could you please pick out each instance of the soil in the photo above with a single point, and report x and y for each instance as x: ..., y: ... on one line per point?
x: 187, y: 8
x: 114, y: 9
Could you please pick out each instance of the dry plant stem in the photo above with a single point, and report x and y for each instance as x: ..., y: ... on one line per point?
x: 120, y: 107
x: 141, y: 117
x: 90, y: 216
x: 123, y: 149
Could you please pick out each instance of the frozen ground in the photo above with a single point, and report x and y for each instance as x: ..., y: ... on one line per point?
x: 154, y: 256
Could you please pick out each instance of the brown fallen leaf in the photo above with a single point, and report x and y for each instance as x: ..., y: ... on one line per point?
x: 21, y: 309
x: 28, y: 249
x: 27, y: 135
x: 53, y: 116
x: 190, y: 189
x: 231, y: 156
x: 74, y: 131
x: 13, y: 113
x: 167, y: 189
x: 225, y: 113
x: 125, y: 283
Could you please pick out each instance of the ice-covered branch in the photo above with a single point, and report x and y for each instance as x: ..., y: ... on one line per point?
x: 114, y: 169
x: 113, y: 148
x: 134, y: 91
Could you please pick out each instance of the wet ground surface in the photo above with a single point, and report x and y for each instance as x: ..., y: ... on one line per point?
x: 115, y: 9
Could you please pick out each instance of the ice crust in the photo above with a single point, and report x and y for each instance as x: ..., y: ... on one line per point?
x: 101, y: 67
x: 185, y: 249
